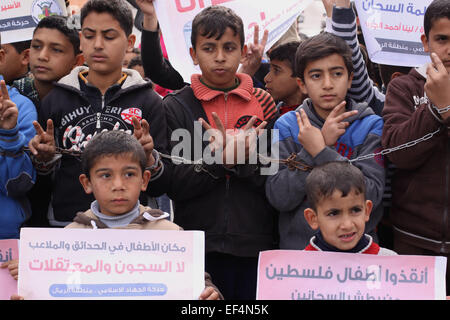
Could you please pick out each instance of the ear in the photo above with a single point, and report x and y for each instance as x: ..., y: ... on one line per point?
x: 86, y: 183
x: 131, y: 41
x: 146, y: 175
x: 79, y: 60
x: 2, y: 55
x: 369, y: 206
x: 193, y: 56
x: 244, y: 52
x: 396, y: 74
x: 311, y: 218
x: 25, y: 57
x: 424, y: 40
x: 302, y: 86
x: 350, y: 79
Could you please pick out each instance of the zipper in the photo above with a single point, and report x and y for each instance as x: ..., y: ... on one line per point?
x: 226, y: 109
x: 227, y: 192
x: 99, y: 113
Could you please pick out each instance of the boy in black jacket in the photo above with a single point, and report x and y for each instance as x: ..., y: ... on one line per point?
x: 90, y: 100
x: 225, y: 199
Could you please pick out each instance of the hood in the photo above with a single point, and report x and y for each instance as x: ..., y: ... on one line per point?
x: 422, y: 70
x: 71, y: 80
x: 363, y: 111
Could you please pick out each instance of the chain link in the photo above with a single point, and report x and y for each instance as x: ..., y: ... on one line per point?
x: 442, y: 110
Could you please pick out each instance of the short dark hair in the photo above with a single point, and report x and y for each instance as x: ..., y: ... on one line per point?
x: 136, y: 61
x: 111, y: 143
x: 213, y: 21
x: 323, y: 180
x: 285, y: 52
x: 436, y: 10
x: 60, y: 23
x: 386, y: 72
x: 320, y: 46
x: 21, y: 46
x: 119, y: 9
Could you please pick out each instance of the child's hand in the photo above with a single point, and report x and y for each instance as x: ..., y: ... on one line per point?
x: 13, y: 267
x: 209, y: 293
x: 150, y: 21
x: 437, y: 86
x: 142, y: 134
x: 42, y: 145
x: 334, y: 127
x: 309, y: 136
x: 8, y: 109
x: 253, y: 58
x: 245, y: 139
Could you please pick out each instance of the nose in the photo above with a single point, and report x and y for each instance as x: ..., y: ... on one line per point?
x: 98, y: 43
x: 220, y: 56
x: 268, y: 77
x: 43, y: 54
x: 327, y: 82
x: 346, y: 223
x: 117, y: 184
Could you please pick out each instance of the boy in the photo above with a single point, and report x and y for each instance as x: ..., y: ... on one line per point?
x: 114, y: 171
x: 53, y: 53
x: 328, y: 126
x: 15, y: 64
x: 101, y: 97
x: 339, y: 210
x: 17, y: 174
x: 415, y: 106
x: 280, y: 81
x: 227, y: 201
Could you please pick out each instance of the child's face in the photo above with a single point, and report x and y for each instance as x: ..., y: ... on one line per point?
x: 439, y: 41
x: 11, y: 67
x: 280, y: 83
x: 341, y: 219
x: 52, y: 55
x: 326, y: 83
x: 104, y: 43
x: 116, y: 182
x: 218, y: 59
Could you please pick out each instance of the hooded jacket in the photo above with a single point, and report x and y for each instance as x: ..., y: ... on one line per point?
x: 17, y: 174
x: 229, y: 205
x: 286, y: 189
x: 421, y: 182
x: 79, y: 111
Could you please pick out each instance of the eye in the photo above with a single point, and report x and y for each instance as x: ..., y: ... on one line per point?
x: 332, y: 213
x: 315, y: 76
x: 35, y: 46
x: 57, y: 50
x: 130, y: 174
x: 105, y: 176
x: 356, y: 210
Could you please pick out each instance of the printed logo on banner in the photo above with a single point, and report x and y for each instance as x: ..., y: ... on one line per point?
x: 128, y: 114
x: 45, y: 8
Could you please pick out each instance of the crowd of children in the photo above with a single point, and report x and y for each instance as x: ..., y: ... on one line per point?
x: 90, y: 95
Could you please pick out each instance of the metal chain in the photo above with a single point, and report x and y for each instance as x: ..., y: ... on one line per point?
x: 400, y: 147
x: 442, y: 110
x: 290, y: 162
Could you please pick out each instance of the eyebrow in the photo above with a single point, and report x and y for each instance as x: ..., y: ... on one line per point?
x: 330, y: 69
x: 51, y: 43
x: 125, y: 168
x: 102, y: 31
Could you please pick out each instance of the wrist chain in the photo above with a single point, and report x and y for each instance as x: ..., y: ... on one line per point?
x: 442, y: 110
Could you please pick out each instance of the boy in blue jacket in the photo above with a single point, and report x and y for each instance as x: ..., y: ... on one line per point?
x: 17, y: 174
x: 328, y: 126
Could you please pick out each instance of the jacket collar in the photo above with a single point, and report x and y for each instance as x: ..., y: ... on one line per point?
x: 203, y: 93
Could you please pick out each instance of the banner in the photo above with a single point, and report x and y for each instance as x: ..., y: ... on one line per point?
x: 175, y: 19
x: 18, y: 18
x: 8, y: 252
x: 392, y: 31
x: 110, y: 264
x: 311, y: 275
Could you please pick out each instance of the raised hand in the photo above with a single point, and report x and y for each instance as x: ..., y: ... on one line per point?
x: 309, y: 136
x: 253, y: 58
x: 42, y: 146
x: 150, y: 21
x: 8, y: 109
x: 229, y: 144
x: 437, y: 86
x: 334, y: 125
x: 142, y: 134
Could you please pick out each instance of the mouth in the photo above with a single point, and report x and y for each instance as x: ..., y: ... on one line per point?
x: 119, y: 201
x: 328, y: 97
x: 41, y: 69
x: 348, y: 237
x: 220, y: 71
x: 98, y: 58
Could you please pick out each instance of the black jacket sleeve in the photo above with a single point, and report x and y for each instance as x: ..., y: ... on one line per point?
x: 156, y: 67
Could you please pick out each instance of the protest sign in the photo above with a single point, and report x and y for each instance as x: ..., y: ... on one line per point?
x: 392, y: 31
x: 310, y: 275
x: 175, y: 19
x: 110, y: 264
x: 8, y: 252
x: 18, y: 18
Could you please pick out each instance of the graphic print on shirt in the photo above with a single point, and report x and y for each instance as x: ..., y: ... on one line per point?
x: 82, y: 124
